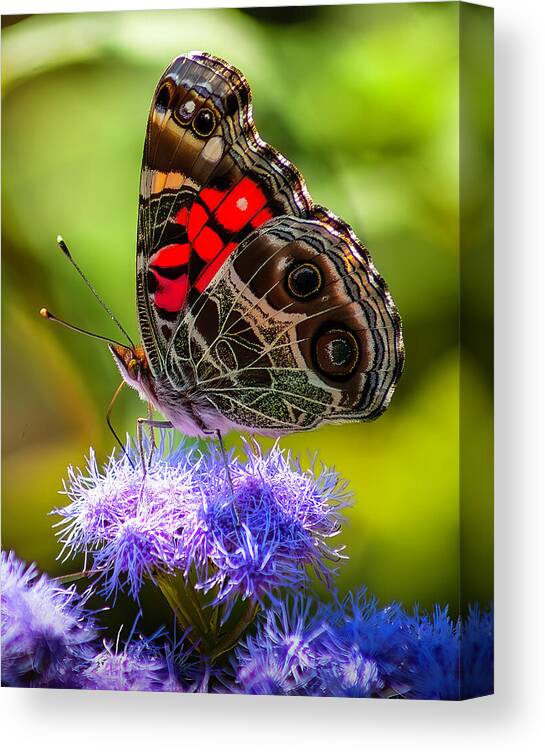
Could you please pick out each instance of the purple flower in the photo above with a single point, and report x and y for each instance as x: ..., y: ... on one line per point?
x: 264, y: 524
x: 130, y: 526
x: 285, y: 654
x: 140, y: 665
x: 271, y: 531
x: 351, y: 674
x: 222, y: 537
x: 262, y: 673
x: 45, y: 628
x: 146, y: 664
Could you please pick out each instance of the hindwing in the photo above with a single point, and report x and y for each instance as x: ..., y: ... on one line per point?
x: 299, y: 328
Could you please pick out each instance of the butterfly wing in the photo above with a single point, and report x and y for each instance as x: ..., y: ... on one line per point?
x: 297, y: 329
x: 207, y: 182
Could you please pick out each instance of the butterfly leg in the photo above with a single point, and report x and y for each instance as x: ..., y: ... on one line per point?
x: 219, y: 437
x: 153, y: 444
x: 227, y: 470
x: 225, y: 462
x: 140, y: 423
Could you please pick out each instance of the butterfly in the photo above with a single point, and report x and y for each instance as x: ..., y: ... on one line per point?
x: 258, y: 309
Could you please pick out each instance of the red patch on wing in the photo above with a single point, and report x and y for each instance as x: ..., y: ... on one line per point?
x: 261, y: 217
x: 208, y: 244
x: 240, y: 205
x: 182, y: 216
x: 213, y: 267
x: 197, y: 219
x: 171, y: 293
x: 211, y: 197
x: 174, y: 254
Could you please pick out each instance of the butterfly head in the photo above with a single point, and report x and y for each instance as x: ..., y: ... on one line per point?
x: 132, y: 363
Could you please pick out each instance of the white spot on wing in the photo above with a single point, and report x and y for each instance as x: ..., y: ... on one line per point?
x: 187, y: 109
x: 213, y: 150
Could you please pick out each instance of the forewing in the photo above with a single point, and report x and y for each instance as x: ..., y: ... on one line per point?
x: 207, y: 182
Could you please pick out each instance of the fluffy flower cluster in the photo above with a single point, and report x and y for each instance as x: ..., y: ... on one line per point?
x: 46, y: 629
x: 353, y: 648
x: 264, y: 524
x: 350, y: 647
x: 144, y: 665
x: 50, y: 639
x: 222, y: 538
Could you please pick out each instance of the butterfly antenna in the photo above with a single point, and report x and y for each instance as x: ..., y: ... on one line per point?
x: 109, y: 422
x: 64, y: 248
x: 46, y: 314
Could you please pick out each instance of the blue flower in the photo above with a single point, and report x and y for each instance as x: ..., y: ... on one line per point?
x: 368, y: 648
x: 433, y: 655
x: 46, y: 629
x: 304, y: 647
x: 354, y: 648
x: 477, y: 653
x: 450, y: 660
x: 263, y: 524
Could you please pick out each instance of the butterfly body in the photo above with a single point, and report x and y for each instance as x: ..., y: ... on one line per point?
x: 258, y: 309
x: 182, y: 407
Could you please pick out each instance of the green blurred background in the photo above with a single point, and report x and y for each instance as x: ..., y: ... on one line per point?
x: 364, y: 99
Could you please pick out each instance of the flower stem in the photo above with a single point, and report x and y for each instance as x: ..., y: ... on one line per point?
x: 230, y: 639
x: 204, y: 625
x: 183, y: 600
x: 204, y: 633
x: 167, y: 585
